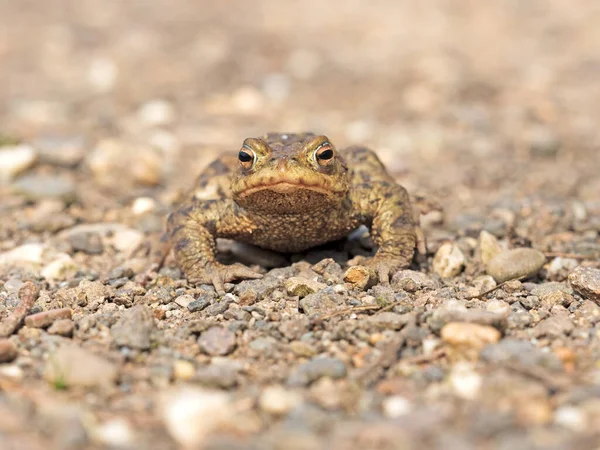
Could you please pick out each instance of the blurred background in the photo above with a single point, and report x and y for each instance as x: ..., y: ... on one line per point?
x: 476, y: 103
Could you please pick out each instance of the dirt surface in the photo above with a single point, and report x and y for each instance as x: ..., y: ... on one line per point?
x: 109, y: 109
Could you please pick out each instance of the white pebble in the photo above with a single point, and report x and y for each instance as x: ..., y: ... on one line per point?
x: 498, y: 307
x: 247, y: 99
x: 143, y: 205
x: 191, y: 414
x: 156, y: 112
x: 11, y: 371
x: 278, y: 400
x: 570, y: 417
x: 465, y: 382
x: 28, y: 253
x: 127, y: 239
x: 15, y: 160
x: 396, y: 406
x: 430, y: 344
x: 102, y: 74
x: 276, y: 87
x: 61, y: 268
x: 114, y: 433
x: 448, y: 261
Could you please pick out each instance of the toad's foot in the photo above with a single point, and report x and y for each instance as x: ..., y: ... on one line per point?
x: 218, y: 274
x: 385, y: 267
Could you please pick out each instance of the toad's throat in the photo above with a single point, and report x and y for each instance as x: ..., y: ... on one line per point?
x: 285, y: 187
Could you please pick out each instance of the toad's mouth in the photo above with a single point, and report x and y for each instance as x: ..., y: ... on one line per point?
x: 285, y: 187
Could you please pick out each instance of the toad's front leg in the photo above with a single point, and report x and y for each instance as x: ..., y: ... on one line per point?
x: 192, y: 230
x: 392, y: 226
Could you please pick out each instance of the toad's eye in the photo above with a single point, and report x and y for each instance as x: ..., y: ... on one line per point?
x: 246, y: 157
x: 324, y: 154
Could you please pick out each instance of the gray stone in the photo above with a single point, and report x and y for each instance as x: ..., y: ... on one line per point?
x: 412, y: 281
x: 521, y: 352
x: 323, y: 302
x: 553, y: 327
x: 217, y: 341
x: 134, y: 328
x: 67, y: 151
x: 198, y: 305
x: 317, y: 368
x: 90, y: 243
x: 543, y: 289
x: 516, y: 263
x: 222, y: 376
x: 391, y: 320
x: 36, y: 187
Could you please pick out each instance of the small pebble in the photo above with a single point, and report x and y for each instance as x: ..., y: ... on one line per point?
x: 586, y: 282
x: 115, y: 433
x: 183, y: 370
x: 198, y: 305
x: 8, y: 351
x: 316, y: 368
x: 323, y: 302
x: 278, y: 400
x: 86, y: 242
x: 156, y: 113
x: 396, y: 406
x: 15, y: 160
x: 360, y: 277
x: 217, y: 341
x: 66, y: 151
x: 413, y: 281
x: 465, y: 382
x: 469, y: 334
x: 143, y: 205
x: 448, y: 261
x: 40, y: 186
x: 520, y: 262
x: 302, y: 287
x: 571, y: 417
x: 191, y: 414
x: 72, y: 365
x: 47, y: 318
x: 134, y: 328
x: 27, y: 253
x: 499, y: 307
x: 184, y: 300
x: 488, y: 246
x: 62, y: 268
x: 62, y: 327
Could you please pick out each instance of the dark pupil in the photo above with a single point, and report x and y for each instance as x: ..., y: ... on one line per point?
x: 325, y: 154
x: 245, y: 156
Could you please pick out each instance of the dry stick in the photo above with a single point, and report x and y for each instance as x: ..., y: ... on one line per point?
x: 483, y: 294
x: 28, y: 294
x: 566, y: 255
x: 353, y: 309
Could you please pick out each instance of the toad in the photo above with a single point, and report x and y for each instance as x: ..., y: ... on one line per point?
x: 288, y: 193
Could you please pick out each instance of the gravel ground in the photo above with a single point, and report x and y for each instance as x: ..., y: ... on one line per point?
x: 109, y: 109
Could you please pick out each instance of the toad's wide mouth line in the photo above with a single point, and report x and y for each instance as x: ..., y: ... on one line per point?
x: 285, y: 187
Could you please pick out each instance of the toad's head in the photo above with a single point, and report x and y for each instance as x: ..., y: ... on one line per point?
x: 289, y: 174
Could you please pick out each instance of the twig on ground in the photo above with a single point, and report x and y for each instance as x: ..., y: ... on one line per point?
x: 489, y: 291
x: 567, y: 255
x: 354, y: 309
